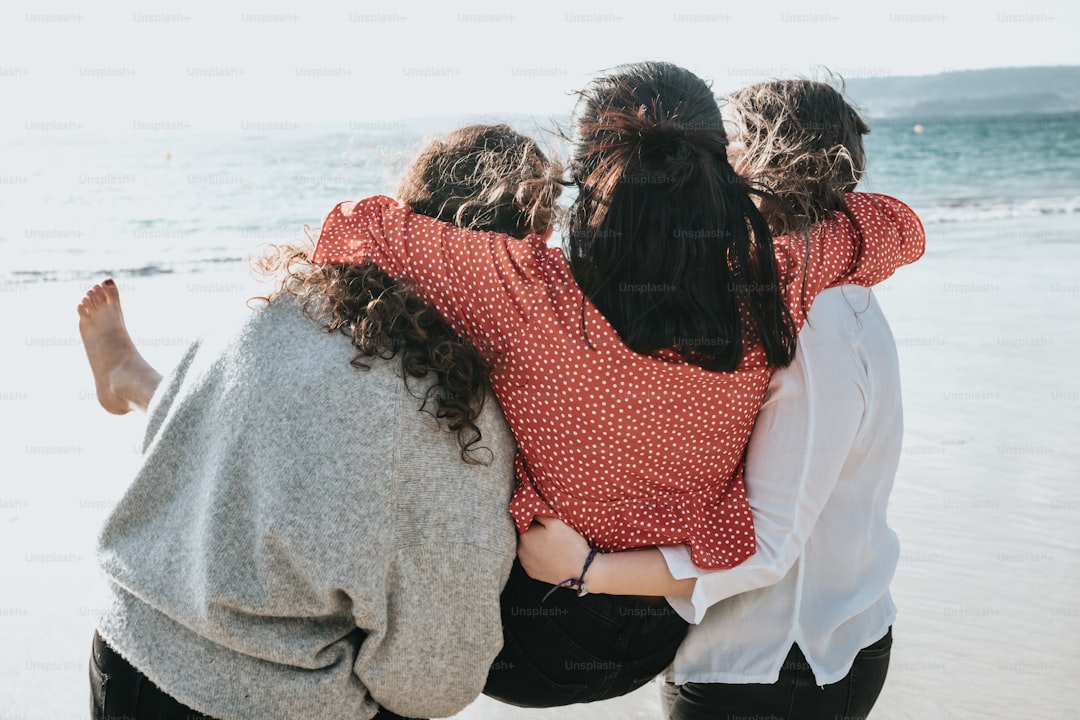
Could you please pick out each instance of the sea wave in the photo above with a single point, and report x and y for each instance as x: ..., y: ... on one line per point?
x: 83, y: 208
x: 968, y: 209
x: 72, y: 273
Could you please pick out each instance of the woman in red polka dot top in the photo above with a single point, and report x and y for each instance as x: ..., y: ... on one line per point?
x: 631, y: 368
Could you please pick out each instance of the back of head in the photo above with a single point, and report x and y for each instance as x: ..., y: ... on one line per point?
x: 483, y: 177
x: 803, y: 141
x: 664, y: 237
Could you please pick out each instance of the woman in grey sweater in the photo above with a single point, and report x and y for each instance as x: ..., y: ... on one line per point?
x: 302, y: 541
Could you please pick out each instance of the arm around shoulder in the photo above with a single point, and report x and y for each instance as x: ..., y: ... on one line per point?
x: 480, y: 282
x: 891, y: 236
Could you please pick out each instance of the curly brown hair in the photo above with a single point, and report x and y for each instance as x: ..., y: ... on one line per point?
x: 801, y: 140
x: 481, y: 177
x: 484, y: 177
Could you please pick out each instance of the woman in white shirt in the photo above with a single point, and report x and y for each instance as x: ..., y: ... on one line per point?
x: 802, y: 628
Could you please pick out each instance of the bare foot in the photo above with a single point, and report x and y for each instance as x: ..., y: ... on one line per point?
x: 124, y: 379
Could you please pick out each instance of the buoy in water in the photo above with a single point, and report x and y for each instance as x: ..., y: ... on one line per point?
x: 918, y: 129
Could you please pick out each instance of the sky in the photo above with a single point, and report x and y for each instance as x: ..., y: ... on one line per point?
x: 197, y: 65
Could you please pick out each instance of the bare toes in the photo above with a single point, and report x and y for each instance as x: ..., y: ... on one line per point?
x: 91, y: 298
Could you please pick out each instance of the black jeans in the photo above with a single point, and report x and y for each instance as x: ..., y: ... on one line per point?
x: 120, y: 692
x: 572, y: 650
x: 795, y: 696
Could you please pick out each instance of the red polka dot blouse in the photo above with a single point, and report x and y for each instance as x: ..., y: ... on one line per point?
x: 631, y: 450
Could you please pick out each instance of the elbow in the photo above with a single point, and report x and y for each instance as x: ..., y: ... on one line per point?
x: 439, y: 683
x: 914, y: 245
x: 774, y: 564
x: 434, y: 700
x: 779, y: 561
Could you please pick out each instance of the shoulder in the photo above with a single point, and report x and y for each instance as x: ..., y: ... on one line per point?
x: 837, y: 323
x: 835, y: 306
x: 835, y: 310
x: 844, y: 308
x: 845, y: 325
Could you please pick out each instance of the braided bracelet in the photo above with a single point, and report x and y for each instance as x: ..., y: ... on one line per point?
x: 578, y: 583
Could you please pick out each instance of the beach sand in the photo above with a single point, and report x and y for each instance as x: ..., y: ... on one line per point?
x: 986, y: 502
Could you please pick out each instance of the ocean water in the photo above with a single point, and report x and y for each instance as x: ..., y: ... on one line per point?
x: 986, y: 502
x: 962, y: 169
x: 156, y: 200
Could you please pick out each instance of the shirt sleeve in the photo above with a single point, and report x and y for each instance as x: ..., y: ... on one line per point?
x: 799, y: 445
x: 482, y: 283
x: 892, y: 236
x: 443, y: 630
x: 865, y: 247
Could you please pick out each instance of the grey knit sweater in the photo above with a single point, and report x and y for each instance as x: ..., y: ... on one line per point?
x: 301, y: 542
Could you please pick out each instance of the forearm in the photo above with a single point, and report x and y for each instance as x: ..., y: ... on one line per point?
x: 452, y: 266
x: 551, y: 551
x: 635, y: 572
x: 888, y: 236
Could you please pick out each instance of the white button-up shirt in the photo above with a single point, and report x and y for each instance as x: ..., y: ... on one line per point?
x: 819, y: 470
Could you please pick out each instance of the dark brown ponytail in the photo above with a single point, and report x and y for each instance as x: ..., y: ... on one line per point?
x: 664, y: 236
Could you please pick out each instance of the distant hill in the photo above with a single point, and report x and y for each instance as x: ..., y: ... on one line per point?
x: 997, y: 91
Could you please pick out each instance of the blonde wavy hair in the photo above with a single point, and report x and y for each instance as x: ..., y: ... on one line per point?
x: 802, y: 141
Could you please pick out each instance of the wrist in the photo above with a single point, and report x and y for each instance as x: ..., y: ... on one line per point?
x: 581, y: 584
x: 577, y: 582
x: 597, y: 577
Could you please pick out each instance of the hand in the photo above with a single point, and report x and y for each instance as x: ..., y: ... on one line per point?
x: 551, y: 551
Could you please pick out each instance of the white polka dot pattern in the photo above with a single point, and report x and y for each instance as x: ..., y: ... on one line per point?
x: 631, y: 450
